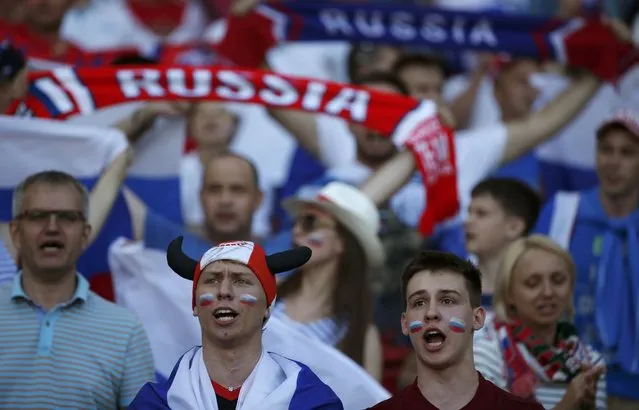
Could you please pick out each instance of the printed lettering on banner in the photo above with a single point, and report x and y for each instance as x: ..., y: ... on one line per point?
x: 233, y: 85
x: 430, y: 142
x: 241, y: 244
x: 235, y: 250
x: 432, y: 27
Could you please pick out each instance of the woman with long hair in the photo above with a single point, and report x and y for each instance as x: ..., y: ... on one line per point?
x: 528, y: 346
x: 330, y: 298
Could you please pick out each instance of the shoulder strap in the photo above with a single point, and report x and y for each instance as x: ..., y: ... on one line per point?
x: 563, y: 217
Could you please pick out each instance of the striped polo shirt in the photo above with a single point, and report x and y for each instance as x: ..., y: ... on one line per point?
x: 7, y: 264
x: 84, y: 354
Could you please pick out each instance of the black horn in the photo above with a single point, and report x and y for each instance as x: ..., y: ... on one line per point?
x: 178, y: 261
x: 288, y: 260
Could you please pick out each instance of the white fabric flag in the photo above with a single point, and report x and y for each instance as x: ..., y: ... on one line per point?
x: 162, y: 301
x: 28, y: 146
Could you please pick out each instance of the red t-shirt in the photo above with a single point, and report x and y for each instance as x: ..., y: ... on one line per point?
x: 226, y: 399
x: 487, y: 397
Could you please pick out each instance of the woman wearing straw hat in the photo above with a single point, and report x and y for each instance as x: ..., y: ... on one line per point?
x: 330, y: 298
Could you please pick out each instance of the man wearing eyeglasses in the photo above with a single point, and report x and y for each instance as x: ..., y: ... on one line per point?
x: 63, y: 346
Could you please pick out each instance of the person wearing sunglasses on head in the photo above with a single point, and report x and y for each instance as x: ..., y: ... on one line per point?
x: 329, y: 298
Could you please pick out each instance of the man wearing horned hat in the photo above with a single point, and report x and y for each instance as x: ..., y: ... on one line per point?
x: 233, y: 292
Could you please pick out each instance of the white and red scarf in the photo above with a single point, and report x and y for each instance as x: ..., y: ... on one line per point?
x: 411, y: 123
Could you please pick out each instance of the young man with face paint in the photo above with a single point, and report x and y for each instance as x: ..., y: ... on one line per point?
x: 442, y: 311
x: 233, y: 291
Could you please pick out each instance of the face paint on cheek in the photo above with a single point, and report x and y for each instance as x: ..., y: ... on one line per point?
x: 415, y: 326
x: 206, y: 299
x: 247, y: 299
x: 316, y: 238
x: 457, y: 325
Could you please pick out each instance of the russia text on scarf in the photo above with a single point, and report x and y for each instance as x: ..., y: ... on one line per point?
x: 413, y: 124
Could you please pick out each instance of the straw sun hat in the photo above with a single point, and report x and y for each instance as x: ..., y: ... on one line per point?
x: 351, y: 208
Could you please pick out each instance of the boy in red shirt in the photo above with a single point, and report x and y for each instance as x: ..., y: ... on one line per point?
x: 442, y: 310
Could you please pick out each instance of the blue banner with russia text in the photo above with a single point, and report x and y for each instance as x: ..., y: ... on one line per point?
x: 413, y: 25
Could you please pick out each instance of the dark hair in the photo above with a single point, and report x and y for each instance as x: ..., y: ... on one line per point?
x: 383, y: 78
x: 420, y: 60
x: 133, y: 59
x: 612, y: 126
x: 436, y: 261
x: 230, y: 154
x: 515, y: 197
x: 12, y: 61
x: 352, y: 296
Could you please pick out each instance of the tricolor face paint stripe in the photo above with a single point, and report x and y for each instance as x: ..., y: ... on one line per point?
x: 316, y: 238
x: 457, y: 325
x: 415, y: 326
x: 206, y: 299
x: 247, y: 299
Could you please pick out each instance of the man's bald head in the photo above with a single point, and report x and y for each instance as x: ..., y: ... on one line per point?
x: 230, y: 196
x: 231, y: 157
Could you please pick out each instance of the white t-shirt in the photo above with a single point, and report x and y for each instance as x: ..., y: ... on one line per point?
x: 323, y: 61
x: 478, y: 153
x: 110, y: 24
x: 489, y: 361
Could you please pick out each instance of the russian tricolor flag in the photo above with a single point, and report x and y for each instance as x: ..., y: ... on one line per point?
x: 84, y: 146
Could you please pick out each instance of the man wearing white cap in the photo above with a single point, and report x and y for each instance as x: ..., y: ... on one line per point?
x: 233, y: 291
x: 600, y: 228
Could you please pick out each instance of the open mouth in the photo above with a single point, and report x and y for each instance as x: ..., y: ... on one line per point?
x: 225, y: 315
x: 547, y: 309
x: 434, y: 339
x: 51, y: 246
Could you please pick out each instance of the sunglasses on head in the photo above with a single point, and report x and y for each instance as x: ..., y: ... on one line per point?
x: 38, y: 215
x: 310, y: 223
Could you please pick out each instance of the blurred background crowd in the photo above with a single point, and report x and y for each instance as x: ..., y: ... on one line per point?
x: 547, y: 174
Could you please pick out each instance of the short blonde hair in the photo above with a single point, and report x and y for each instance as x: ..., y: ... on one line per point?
x: 509, y: 262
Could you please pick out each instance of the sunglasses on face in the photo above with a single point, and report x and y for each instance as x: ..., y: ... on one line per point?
x: 311, y: 223
x: 41, y: 216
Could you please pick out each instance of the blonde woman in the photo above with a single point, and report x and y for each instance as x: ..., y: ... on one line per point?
x: 527, y: 346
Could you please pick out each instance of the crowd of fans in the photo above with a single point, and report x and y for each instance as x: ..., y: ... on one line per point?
x: 540, y: 266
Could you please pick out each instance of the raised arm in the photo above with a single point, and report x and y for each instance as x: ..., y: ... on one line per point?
x: 522, y: 137
x: 302, y: 126
x: 391, y: 177
x: 526, y: 134
x: 106, y: 190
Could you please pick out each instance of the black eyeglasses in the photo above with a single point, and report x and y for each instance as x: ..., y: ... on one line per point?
x: 311, y: 223
x: 38, y: 215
